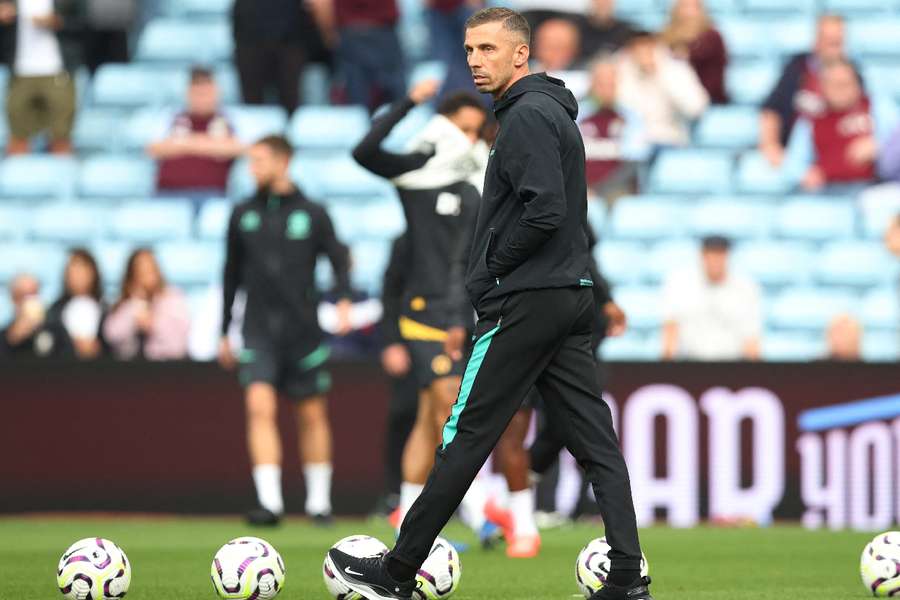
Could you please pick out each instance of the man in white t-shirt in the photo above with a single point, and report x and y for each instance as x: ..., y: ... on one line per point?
x: 711, y: 313
x: 41, y: 92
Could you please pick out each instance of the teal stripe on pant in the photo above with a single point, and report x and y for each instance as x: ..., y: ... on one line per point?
x: 478, y: 354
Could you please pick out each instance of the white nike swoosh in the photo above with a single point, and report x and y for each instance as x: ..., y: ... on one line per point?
x: 352, y: 572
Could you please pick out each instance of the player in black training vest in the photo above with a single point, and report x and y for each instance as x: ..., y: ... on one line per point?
x: 529, y: 281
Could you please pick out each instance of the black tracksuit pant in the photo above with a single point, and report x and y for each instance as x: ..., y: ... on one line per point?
x: 535, y: 337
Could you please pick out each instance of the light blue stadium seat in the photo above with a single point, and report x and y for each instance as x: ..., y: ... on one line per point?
x: 774, y: 263
x: 734, y: 127
x: 43, y: 260
x: 338, y: 176
x: 191, y: 263
x: 780, y: 6
x: 37, y: 175
x: 850, y: 7
x: 428, y: 69
x: 879, y: 205
x: 880, y: 308
x: 686, y: 171
x: 70, y: 222
x: 742, y: 37
x: 670, y: 256
x: 212, y: 222
x: 138, y: 84
x: 7, y: 310
x: 146, y: 125
x: 874, y: 36
x: 328, y: 127
x: 191, y: 41
x: 597, y: 214
x: 151, y: 220
x: 98, y: 129
x: 252, y: 123
x: 881, y: 346
x: 642, y: 305
x: 649, y: 21
x: 117, y: 175
x: 112, y: 259
x: 240, y: 181
x: 731, y: 217
x: 622, y: 262
x: 791, y: 35
x: 811, y: 218
x: 808, y: 307
x: 633, y: 346
x: 791, y: 347
x: 750, y: 82
x: 229, y: 84
x: 856, y: 263
x: 404, y: 131
x: 382, y: 219
x: 882, y: 77
x: 717, y: 7
x: 345, y: 216
x: 631, y: 7
x: 315, y: 83
x: 756, y: 176
x: 646, y: 217
x: 197, y: 8
x: 15, y: 221
x: 370, y: 258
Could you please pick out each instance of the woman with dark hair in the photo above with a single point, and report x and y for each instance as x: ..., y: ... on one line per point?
x: 151, y: 318
x: 80, y: 307
x: 690, y: 34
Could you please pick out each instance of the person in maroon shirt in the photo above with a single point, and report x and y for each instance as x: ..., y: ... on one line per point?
x: 446, y: 27
x: 201, y: 145
x: 690, y: 35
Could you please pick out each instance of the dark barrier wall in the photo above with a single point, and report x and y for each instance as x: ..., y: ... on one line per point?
x: 818, y: 442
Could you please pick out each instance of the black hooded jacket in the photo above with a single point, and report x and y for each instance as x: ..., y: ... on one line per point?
x: 531, y: 226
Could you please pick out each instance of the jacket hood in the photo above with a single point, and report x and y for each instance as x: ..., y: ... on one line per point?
x: 543, y: 83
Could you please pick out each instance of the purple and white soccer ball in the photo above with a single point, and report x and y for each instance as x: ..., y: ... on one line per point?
x: 592, y: 566
x: 360, y: 546
x: 438, y: 577
x: 247, y: 568
x: 879, y: 565
x: 93, y: 569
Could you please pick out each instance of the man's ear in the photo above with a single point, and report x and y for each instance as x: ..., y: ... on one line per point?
x: 521, y: 56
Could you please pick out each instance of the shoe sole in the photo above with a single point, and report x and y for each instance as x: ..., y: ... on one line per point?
x: 361, y: 588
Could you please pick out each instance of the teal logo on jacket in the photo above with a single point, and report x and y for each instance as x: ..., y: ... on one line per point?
x: 298, y: 225
x: 250, y: 221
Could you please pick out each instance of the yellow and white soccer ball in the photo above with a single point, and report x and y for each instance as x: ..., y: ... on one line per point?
x: 360, y: 546
x: 879, y: 565
x: 247, y: 568
x: 93, y: 568
x: 592, y: 566
x: 439, y: 575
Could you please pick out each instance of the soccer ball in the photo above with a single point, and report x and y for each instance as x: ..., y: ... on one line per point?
x: 360, y: 546
x: 247, y: 568
x: 592, y: 566
x: 879, y: 565
x: 93, y: 569
x: 438, y: 576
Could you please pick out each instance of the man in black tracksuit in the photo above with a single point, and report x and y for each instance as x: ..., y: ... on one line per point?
x: 528, y: 279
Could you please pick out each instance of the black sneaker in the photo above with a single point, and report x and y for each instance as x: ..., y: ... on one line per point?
x: 263, y: 517
x: 369, y: 577
x: 639, y: 589
x: 322, y: 520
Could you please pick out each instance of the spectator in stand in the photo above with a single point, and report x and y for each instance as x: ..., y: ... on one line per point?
x: 798, y: 91
x: 691, y: 36
x: 840, y: 144
x: 38, y: 42
x: 664, y: 91
x: 151, y: 319
x: 711, y: 313
x: 108, y: 25
x: 196, y: 155
x: 271, y: 42
x: 79, y: 311
x: 613, y: 138
x: 446, y: 25
x: 29, y: 334
x: 556, y: 45
x: 844, y: 337
x: 601, y: 31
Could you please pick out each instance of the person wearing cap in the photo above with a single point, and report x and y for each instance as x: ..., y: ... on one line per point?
x: 711, y: 313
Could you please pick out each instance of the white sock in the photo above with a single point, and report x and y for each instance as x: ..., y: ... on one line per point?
x: 472, y: 506
x: 318, y: 488
x: 268, y: 487
x: 521, y: 505
x: 408, y: 494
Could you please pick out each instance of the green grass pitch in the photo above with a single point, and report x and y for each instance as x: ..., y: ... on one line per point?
x: 171, y: 558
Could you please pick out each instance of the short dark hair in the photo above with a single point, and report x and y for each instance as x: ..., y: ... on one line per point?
x: 512, y: 21
x: 458, y: 100
x: 201, y: 74
x: 716, y: 242
x: 277, y: 144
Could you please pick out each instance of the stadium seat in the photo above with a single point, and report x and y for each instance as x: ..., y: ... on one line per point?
x: 879, y: 205
x: 732, y: 127
x: 240, y: 181
x: 882, y: 78
x: 347, y: 224
x: 633, y: 346
x: 810, y: 218
x: 780, y: 6
x: 774, y: 263
x: 597, y: 215
x: 185, y: 41
x: 621, y: 262
x: 197, y: 8
x: 369, y: 260
x: 428, y: 69
x: 328, y: 127
x: 70, y: 222
x: 792, y: 347
x: 808, y: 307
x: 756, y: 176
x: 880, y: 308
x: 229, y: 84
x: 734, y: 218
x: 212, y: 222
x: 791, y: 35
x: 881, y: 346
x: 191, y: 263
x: 645, y: 217
x: 382, y: 219
x: 686, y: 171
x: 117, y: 175
x: 15, y: 221
x: 315, y: 85
x: 338, y: 176
x: 641, y: 304
x: 718, y: 7
x: 670, y: 256
x: 750, y: 82
x: 98, y: 130
x: 37, y: 175
x: 254, y: 122
x: 7, y: 310
x: 112, y: 259
x: 43, y: 260
x: 742, y: 37
x: 136, y: 84
x: 849, y: 7
x: 856, y: 263
x: 146, y: 125
x: 152, y: 220
x: 874, y: 36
